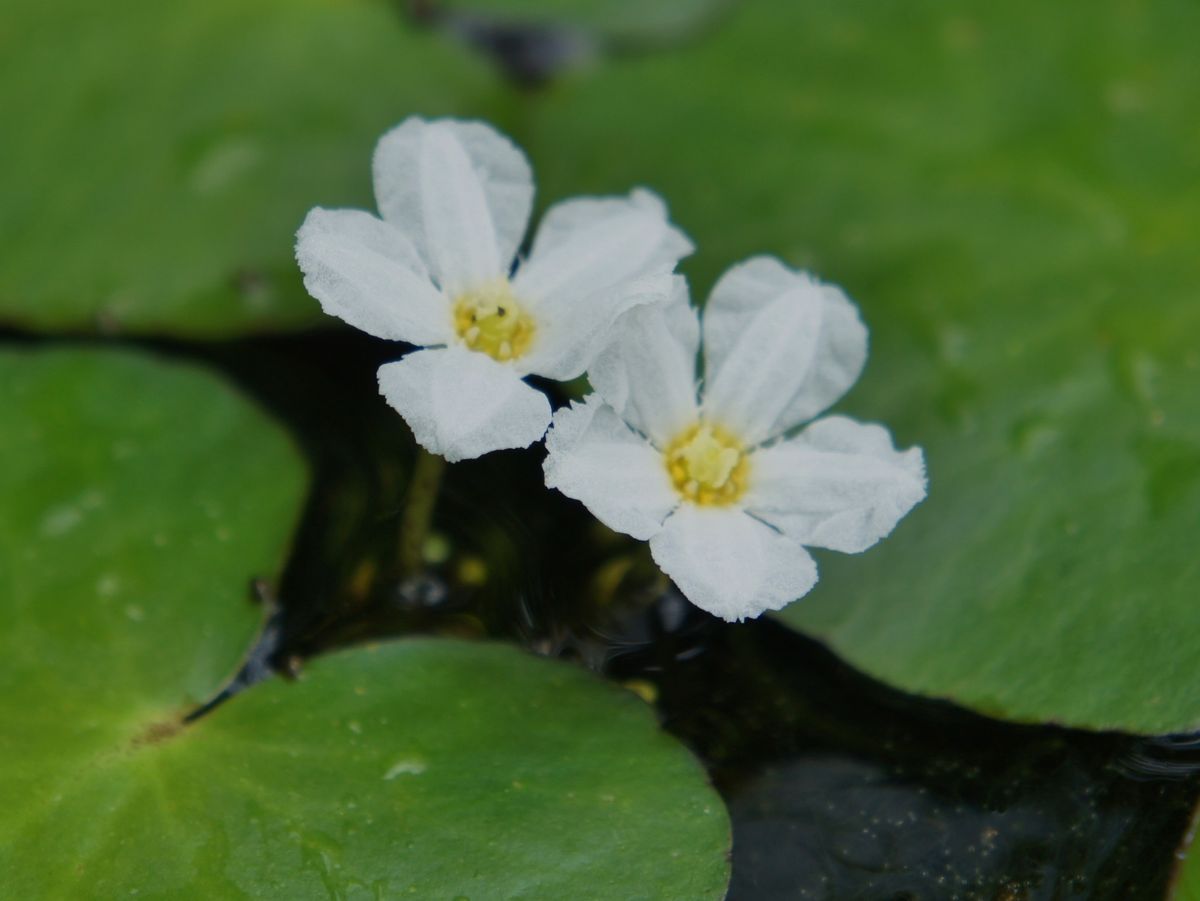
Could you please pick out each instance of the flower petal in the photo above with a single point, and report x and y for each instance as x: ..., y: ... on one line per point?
x: 749, y: 389
x: 365, y: 272
x: 461, y: 404
x: 839, y: 484
x: 779, y: 347
x: 598, y: 460
x: 730, y: 564
x: 586, y: 257
x: 568, y: 340
x: 586, y: 245
x: 647, y: 371
x: 462, y: 193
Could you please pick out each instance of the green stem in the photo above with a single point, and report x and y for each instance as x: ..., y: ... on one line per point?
x: 418, y: 511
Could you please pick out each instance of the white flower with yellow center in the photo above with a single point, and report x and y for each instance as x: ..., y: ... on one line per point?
x: 718, y: 481
x: 439, y: 270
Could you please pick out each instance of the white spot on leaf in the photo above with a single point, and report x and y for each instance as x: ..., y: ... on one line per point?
x: 60, y: 520
x: 404, y: 768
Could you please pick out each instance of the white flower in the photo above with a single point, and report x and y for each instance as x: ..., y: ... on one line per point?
x: 437, y: 271
x: 726, y: 496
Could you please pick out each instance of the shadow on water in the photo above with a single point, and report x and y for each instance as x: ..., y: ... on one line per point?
x: 839, y: 788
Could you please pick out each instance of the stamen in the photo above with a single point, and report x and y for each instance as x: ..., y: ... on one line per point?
x: 707, y: 465
x: 491, y: 321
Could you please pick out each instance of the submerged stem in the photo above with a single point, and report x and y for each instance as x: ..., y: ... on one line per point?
x: 418, y: 510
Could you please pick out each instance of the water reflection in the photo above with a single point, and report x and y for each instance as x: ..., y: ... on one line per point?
x: 840, y: 788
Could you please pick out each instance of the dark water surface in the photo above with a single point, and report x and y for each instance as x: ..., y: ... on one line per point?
x: 839, y: 787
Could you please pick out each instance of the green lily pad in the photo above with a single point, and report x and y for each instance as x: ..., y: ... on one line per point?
x: 1187, y: 876
x: 159, y: 157
x: 1011, y: 192
x: 139, y: 497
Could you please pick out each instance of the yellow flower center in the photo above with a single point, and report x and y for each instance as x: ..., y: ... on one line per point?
x: 707, y: 465
x: 491, y: 321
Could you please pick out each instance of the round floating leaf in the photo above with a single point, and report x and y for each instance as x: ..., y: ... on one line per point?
x: 159, y: 157
x: 1011, y: 193
x: 137, y: 500
x: 139, y: 497
x: 423, y: 769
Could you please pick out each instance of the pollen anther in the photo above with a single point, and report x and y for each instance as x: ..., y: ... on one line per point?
x: 490, y: 320
x: 707, y: 465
